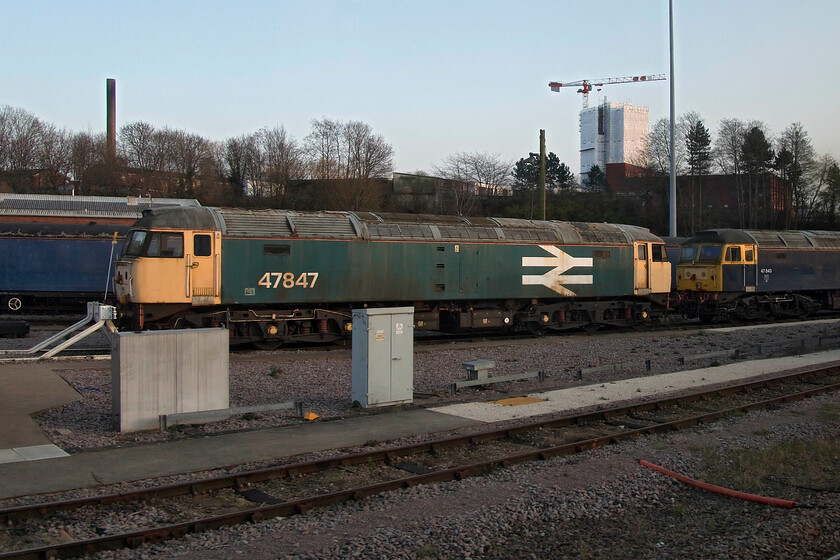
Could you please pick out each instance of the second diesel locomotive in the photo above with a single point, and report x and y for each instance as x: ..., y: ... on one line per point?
x: 275, y: 276
x: 730, y: 274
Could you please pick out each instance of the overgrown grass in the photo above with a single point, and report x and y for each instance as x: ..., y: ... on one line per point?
x: 809, y: 463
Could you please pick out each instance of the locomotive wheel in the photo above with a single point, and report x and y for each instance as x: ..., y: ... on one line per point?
x: 268, y: 344
x: 537, y: 329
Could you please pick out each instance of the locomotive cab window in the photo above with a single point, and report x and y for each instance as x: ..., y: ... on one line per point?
x: 167, y: 245
x: 659, y: 253
x: 642, y: 252
x: 134, y: 245
x: 202, y: 245
x: 689, y: 253
x: 750, y: 255
x: 710, y: 253
x: 733, y: 254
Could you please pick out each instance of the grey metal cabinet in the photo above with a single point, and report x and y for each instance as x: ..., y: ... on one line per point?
x: 383, y: 356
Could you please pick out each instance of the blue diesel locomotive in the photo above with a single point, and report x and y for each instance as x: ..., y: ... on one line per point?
x: 729, y: 274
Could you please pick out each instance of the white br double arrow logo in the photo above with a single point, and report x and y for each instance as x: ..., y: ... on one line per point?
x: 554, y: 278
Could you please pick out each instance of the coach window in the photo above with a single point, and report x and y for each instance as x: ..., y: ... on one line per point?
x: 202, y: 247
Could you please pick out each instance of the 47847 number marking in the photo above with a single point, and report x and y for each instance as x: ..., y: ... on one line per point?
x: 288, y: 280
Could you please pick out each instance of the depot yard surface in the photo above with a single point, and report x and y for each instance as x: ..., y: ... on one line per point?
x: 321, y: 380
x: 596, y: 505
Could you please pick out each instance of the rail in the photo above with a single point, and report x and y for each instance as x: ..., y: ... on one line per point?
x: 615, y: 422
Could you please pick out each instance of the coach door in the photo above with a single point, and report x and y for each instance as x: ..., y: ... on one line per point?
x: 642, y: 269
x: 203, y: 268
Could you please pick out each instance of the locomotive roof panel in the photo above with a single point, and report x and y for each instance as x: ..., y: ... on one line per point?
x: 766, y: 239
x: 84, y: 206
x: 180, y: 218
x: 234, y: 222
x: 824, y: 239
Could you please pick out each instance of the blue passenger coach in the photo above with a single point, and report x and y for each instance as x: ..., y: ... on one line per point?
x: 55, y: 267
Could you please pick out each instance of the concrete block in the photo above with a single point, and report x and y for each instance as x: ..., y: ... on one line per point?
x: 478, y: 369
x: 154, y: 373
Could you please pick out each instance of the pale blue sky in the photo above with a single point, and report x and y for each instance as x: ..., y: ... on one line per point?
x: 433, y: 77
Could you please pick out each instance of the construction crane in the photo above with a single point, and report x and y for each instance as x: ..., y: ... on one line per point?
x: 587, y: 85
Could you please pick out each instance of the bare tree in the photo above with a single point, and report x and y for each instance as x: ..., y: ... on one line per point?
x: 728, y: 155
x: 368, y: 154
x: 241, y: 156
x: 323, y: 149
x: 797, y: 159
x: 351, y: 150
x: 282, y: 159
x: 188, y: 151
x: 472, y: 173
x: 56, y: 149
x: 659, y: 146
x: 20, y: 137
x: 829, y: 188
x: 143, y: 147
x: 5, y: 136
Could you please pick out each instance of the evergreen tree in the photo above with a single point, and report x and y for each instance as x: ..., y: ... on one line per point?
x: 698, y: 143
x: 526, y: 177
x: 757, y: 156
x: 596, y: 180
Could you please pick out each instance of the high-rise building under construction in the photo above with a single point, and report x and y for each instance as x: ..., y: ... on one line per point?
x: 611, y: 133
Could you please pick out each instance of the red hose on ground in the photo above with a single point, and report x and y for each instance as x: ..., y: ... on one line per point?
x: 719, y: 489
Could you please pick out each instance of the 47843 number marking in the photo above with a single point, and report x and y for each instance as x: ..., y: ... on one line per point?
x: 288, y: 280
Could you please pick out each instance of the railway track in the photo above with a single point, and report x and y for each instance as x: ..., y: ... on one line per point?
x: 166, y: 512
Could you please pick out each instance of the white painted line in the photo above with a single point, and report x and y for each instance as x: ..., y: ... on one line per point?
x: 563, y: 400
x: 38, y: 452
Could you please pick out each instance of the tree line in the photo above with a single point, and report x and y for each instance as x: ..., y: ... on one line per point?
x: 260, y: 168
x: 347, y: 165
x: 780, y: 181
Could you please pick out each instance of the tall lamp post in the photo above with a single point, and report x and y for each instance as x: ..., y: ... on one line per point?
x: 673, y: 183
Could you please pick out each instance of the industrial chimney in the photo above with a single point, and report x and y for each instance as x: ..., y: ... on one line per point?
x: 111, y: 130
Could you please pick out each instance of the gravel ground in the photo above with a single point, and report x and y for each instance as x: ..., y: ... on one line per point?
x: 599, y: 504
x: 321, y: 380
x: 593, y: 505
